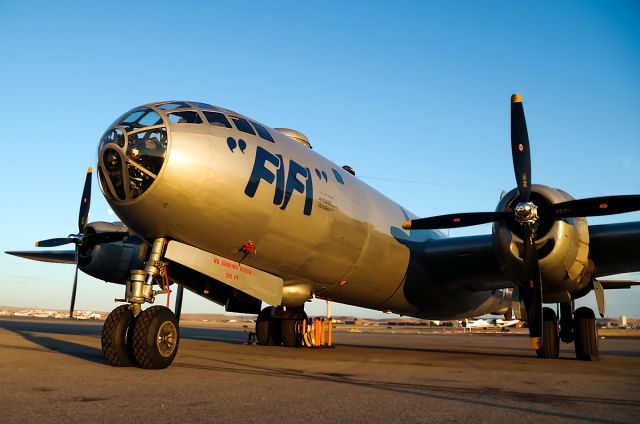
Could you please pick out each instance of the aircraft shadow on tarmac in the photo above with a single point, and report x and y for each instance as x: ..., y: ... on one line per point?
x: 526, y: 351
x: 33, y: 330
x: 469, y: 395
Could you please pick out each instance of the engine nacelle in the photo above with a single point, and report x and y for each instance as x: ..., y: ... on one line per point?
x: 562, y: 246
x: 110, y: 261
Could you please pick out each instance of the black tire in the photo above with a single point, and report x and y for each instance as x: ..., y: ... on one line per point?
x: 586, y: 335
x: 276, y: 331
x: 268, y: 328
x: 116, y: 337
x: 550, y: 339
x: 156, y: 337
x: 291, y: 331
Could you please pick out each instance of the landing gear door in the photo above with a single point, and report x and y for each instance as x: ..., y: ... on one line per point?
x: 252, y: 281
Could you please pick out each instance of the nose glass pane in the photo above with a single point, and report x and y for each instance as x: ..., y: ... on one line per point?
x: 132, y: 154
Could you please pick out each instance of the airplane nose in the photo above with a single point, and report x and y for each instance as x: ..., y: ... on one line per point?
x: 131, y: 154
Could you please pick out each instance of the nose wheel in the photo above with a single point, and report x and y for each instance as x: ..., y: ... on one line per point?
x: 116, y: 334
x: 148, y: 341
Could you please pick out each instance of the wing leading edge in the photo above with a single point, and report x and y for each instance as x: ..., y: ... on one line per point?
x: 56, y: 256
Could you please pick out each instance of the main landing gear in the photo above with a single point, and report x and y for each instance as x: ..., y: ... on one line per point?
x: 146, y: 339
x: 578, y: 327
x: 276, y: 326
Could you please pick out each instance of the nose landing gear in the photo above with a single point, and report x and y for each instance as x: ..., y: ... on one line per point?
x: 147, y: 339
x: 116, y: 337
x: 155, y: 338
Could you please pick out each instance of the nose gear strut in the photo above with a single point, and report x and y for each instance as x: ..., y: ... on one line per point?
x: 148, y: 339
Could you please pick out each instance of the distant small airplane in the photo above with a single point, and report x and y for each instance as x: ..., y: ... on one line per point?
x: 489, y: 323
x: 242, y: 214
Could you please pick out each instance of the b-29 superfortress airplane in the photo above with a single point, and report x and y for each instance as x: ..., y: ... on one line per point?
x: 243, y: 214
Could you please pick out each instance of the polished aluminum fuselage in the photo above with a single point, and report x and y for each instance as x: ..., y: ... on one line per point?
x: 348, y: 246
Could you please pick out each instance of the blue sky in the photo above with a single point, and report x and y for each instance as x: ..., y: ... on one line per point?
x: 413, y: 95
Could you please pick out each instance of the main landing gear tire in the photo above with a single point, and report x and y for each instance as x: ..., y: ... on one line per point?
x: 155, y: 338
x: 292, y: 332
x: 268, y: 329
x: 586, y: 335
x: 550, y: 339
x: 116, y: 335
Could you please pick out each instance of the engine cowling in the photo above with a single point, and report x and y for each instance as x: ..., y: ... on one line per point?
x: 562, y: 246
x: 110, y: 261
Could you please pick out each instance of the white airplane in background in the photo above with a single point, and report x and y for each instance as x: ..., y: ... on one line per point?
x: 243, y: 214
x: 489, y: 323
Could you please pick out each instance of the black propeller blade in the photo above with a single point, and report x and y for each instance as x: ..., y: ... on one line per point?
x: 456, y: 220
x: 530, y: 286
x: 85, y: 203
x: 594, y: 206
x: 75, y: 286
x: 84, y: 239
x: 520, y: 148
x: 53, y: 242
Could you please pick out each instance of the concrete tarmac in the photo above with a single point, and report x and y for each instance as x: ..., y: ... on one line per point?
x: 53, y: 371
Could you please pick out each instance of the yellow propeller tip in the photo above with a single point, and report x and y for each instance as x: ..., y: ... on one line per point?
x: 516, y: 98
x: 536, y: 343
x: 90, y: 170
x: 406, y: 225
x: 37, y: 244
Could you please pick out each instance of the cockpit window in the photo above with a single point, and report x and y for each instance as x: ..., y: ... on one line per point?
x: 262, y: 132
x: 140, y: 118
x: 217, y: 119
x: 172, y: 106
x: 114, y: 136
x: 132, y: 153
x: 185, y: 117
x: 147, y: 148
x: 113, y: 164
x: 243, y: 125
x: 205, y: 106
x: 149, y: 119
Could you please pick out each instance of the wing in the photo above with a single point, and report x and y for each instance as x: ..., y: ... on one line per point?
x: 57, y: 256
x: 615, y: 248
x: 470, y: 262
x: 618, y: 284
x: 466, y: 262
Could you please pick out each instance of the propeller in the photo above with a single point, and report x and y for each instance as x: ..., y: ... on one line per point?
x: 528, y: 215
x: 82, y: 239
